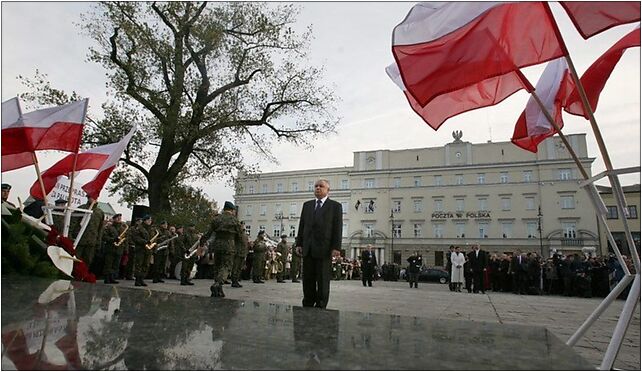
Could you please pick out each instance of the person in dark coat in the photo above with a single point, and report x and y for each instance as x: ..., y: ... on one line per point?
x: 478, y: 266
x: 368, y: 264
x: 518, y: 269
x: 495, y: 273
x: 415, y: 262
x: 449, y: 266
x: 318, y: 240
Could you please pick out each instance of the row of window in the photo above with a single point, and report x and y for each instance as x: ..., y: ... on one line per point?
x: 438, y: 180
x: 612, y: 212
x: 504, y: 177
x: 294, y: 187
x: 566, y: 202
x: 370, y: 206
x: 482, y: 230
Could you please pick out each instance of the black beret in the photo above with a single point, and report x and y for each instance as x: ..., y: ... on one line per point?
x: 228, y: 206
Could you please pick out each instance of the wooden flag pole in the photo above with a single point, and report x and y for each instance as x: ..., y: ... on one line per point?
x: 47, y: 213
x: 71, y: 181
x: 71, y: 190
x: 84, y: 222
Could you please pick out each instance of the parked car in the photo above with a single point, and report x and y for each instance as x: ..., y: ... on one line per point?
x: 434, y: 275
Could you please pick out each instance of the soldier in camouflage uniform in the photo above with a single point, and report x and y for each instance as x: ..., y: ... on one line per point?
x: 295, y: 266
x: 93, y: 234
x: 160, y: 255
x: 130, y: 248
x: 228, y: 234
x: 239, y: 257
x: 141, y: 237
x: 282, y: 249
x: 172, y: 254
x: 112, y: 251
x: 258, y: 259
x: 189, y: 239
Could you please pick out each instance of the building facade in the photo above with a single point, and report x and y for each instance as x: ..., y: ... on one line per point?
x: 427, y: 199
x: 632, y: 196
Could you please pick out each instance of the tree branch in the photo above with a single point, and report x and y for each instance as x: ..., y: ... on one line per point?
x: 131, y: 84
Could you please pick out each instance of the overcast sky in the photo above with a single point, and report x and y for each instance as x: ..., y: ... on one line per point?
x: 352, y: 42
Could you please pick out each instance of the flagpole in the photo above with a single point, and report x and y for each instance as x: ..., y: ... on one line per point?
x: 47, y: 213
x: 577, y: 161
x: 550, y: 119
x: 71, y: 181
x: 615, y: 184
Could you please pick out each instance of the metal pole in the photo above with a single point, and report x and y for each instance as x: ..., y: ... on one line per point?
x: 392, y: 236
x: 622, y: 325
x: 541, y: 250
x: 606, y: 302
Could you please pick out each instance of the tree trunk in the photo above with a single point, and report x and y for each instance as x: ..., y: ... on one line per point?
x: 159, y: 194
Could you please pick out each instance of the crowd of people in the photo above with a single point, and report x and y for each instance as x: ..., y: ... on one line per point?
x: 579, y: 275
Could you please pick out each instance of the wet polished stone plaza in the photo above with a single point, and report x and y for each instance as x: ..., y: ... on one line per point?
x: 60, y: 324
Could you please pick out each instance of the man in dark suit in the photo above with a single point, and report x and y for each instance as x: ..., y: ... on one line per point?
x: 478, y: 263
x: 518, y: 266
x: 368, y: 264
x: 318, y: 240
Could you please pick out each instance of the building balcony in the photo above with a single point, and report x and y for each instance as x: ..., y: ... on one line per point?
x: 572, y: 242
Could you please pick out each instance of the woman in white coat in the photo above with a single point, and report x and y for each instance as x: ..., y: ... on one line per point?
x: 457, y: 277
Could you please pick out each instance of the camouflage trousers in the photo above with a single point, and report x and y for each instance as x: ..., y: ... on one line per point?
x: 237, y: 266
x: 222, y: 265
x: 258, y: 265
x: 295, y: 268
x: 112, y: 262
x: 186, y: 267
x: 141, y: 262
x: 86, y: 252
x: 158, y: 268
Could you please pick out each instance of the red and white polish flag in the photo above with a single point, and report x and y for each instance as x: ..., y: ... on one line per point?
x: 443, y: 48
x: 595, y: 77
x: 592, y: 17
x: 553, y: 88
x: 54, y: 128
x: 11, y: 112
x: 482, y: 94
x: 93, y: 187
x: 100, y: 158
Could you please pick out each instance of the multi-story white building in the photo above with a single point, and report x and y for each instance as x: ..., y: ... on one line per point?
x: 430, y: 198
x: 632, y: 195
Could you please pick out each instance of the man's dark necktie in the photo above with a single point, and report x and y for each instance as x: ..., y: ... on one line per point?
x: 318, y: 206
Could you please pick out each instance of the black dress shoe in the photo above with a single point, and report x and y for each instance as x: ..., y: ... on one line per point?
x: 227, y: 282
x: 156, y: 281
x: 280, y: 281
x: 189, y: 283
x: 236, y: 285
x: 296, y: 281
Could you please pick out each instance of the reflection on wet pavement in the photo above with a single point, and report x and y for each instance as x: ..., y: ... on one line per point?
x: 70, y: 325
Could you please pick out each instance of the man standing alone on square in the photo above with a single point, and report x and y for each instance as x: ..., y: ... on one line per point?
x: 368, y: 264
x: 318, y: 239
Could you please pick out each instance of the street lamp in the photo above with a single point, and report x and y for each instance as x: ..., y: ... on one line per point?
x: 392, y: 235
x: 541, y: 248
x: 539, y: 228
